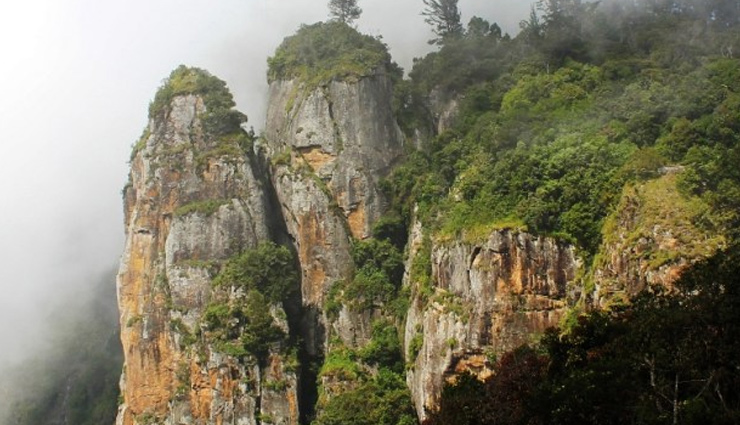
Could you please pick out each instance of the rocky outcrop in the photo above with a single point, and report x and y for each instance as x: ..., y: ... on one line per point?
x: 655, y: 233
x: 444, y: 107
x: 345, y: 134
x: 193, y: 201
x: 196, y: 200
x: 329, y: 147
x: 482, y: 299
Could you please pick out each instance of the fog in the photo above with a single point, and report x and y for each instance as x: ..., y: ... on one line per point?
x: 75, y: 82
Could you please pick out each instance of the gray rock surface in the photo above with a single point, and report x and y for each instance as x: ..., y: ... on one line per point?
x: 486, y: 298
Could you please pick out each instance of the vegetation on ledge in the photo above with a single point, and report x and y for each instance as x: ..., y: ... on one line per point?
x: 328, y: 51
x: 220, y: 121
x: 186, y: 80
x: 239, y: 320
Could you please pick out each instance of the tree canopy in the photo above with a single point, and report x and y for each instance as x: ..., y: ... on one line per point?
x: 328, y: 51
x: 444, y: 17
x: 345, y: 11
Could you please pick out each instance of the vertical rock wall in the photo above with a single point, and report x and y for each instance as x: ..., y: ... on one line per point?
x: 329, y: 147
x: 485, y: 298
x: 192, y: 202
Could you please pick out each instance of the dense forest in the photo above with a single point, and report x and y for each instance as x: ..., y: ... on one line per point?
x: 586, y: 103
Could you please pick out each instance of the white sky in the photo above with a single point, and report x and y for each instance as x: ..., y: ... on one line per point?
x: 76, y: 77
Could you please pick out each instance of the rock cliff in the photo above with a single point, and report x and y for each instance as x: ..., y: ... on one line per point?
x: 194, y: 200
x: 480, y: 300
x: 655, y: 233
x: 329, y: 147
x: 223, y: 324
x: 198, y: 199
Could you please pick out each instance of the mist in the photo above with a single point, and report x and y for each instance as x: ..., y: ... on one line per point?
x: 76, y: 80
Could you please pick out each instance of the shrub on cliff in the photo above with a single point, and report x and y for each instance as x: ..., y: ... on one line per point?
x: 220, y: 118
x: 268, y: 268
x: 327, y: 51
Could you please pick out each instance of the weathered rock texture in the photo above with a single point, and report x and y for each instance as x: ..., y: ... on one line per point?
x: 345, y: 134
x: 652, y: 237
x: 444, y: 107
x: 191, y: 202
x: 329, y: 148
x: 485, y: 298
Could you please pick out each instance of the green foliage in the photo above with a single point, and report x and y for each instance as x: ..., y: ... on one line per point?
x: 550, y: 152
x: 659, y: 204
x: 415, y: 346
x: 379, y: 255
x: 187, y: 337
x: 324, y: 52
x: 378, y: 274
x: 643, y: 164
x: 265, y: 418
x: 333, y: 302
x: 217, y: 98
x: 421, y: 268
x: 384, y: 349
x: 282, y: 158
x: 382, y: 400
x: 341, y: 364
x: 220, y: 122
x: 141, y: 143
x: 444, y: 17
x: 231, y: 147
x: 269, y: 268
x: 490, y: 54
x: 588, y: 103
x: 205, y: 208
x: 551, y: 125
x: 278, y: 386
x: 344, y: 11
x: 370, y: 287
x: 243, y: 327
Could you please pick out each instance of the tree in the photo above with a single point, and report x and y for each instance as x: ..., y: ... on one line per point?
x: 444, y: 17
x: 344, y: 10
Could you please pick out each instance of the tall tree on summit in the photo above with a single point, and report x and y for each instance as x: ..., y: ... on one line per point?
x: 444, y: 17
x: 344, y: 10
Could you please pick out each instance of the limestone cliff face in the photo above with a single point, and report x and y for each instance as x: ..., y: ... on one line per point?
x: 192, y: 202
x: 346, y: 135
x: 329, y: 147
x: 483, y: 299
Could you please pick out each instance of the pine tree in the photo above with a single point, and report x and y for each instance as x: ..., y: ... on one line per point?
x: 444, y: 17
x: 344, y: 10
